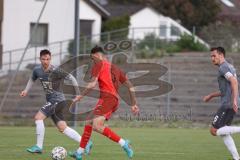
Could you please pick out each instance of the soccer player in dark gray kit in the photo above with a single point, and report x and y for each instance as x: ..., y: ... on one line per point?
x: 54, y: 96
x: 228, y: 91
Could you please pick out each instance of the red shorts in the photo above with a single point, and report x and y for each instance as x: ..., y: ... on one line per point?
x: 106, y: 106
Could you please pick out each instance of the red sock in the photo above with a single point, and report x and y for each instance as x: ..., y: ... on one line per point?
x: 111, y: 135
x: 86, y: 136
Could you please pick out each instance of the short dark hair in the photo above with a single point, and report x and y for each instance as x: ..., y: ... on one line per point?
x: 97, y: 49
x: 219, y: 50
x: 45, y: 52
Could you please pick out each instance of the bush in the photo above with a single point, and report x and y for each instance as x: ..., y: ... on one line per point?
x: 152, y: 46
x: 225, y: 34
x: 173, y: 48
x: 85, y: 46
x: 150, y: 41
x: 145, y: 53
x: 116, y: 24
x: 186, y: 43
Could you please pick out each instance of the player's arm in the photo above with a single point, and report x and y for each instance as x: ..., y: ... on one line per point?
x: 28, y: 87
x: 93, y: 81
x: 73, y: 82
x: 234, y: 86
x: 92, y: 84
x: 30, y: 83
x: 211, y: 95
x: 131, y: 90
x: 226, y: 72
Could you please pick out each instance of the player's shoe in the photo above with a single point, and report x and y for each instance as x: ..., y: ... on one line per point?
x: 34, y: 149
x: 75, y: 155
x: 88, y: 147
x: 127, y: 148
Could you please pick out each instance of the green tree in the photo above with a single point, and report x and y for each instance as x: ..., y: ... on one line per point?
x: 116, y: 24
x: 190, y: 12
x: 224, y: 34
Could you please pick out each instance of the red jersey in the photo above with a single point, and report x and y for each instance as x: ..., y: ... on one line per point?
x: 110, y: 77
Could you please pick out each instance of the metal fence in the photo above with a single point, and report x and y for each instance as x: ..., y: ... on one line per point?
x: 190, y: 73
x: 64, y: 48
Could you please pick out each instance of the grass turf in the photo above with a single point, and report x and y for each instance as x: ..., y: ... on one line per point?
x: 148, y: 144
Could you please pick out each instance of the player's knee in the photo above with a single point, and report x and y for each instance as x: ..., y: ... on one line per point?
x: 61, y: 127
x: 37, y: 117
x: 97, y: 127
x: 213, y: 131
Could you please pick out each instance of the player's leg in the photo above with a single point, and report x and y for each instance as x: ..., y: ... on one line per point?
x: 227, y: 129
x: 40, y: 131
x: 84, y: 141
x: 98, y: 126
x: 223, y: 118
x: 69, y: 132
x: 229, y: 143
x: 58, y: 119
x: 104, y: 110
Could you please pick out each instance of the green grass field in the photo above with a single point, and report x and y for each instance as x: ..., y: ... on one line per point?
x: 148, y: 144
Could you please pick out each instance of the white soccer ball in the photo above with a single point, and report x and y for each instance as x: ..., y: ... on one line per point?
x: 59, y: 153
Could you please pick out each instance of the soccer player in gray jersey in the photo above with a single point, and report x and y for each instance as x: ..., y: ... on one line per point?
x: 228, y: 86
x: 54, y: 96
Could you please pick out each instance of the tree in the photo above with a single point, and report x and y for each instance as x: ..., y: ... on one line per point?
x: 222, y: 34
x: 191, y: 13
x: 116, y: 24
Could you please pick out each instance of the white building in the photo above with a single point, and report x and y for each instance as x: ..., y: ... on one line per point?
x: 144, y: 20
x: 56, y: 24
x: 147, y: 21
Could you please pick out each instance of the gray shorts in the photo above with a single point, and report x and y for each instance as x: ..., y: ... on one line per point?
x: 49, y: 110
x: 223, y: 117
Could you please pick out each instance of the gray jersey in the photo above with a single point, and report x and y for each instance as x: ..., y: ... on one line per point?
x: 226, y: 70
x: 51, y: 82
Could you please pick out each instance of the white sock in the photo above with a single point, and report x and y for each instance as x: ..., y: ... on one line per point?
x: 40, y: 130
x: 121, y: 142
x: 80, y: 150
x: 71, y: 133
x: 228, y: 141
x: 228, y: 130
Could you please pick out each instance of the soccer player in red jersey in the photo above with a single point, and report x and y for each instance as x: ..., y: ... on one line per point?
x: 109, y: 77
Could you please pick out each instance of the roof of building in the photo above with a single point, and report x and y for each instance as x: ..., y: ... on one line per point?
x: 230, y: 9
x: 98, y: 8
x: 117, y: 10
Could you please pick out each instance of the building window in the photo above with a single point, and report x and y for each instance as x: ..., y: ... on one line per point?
x: 175, y: 31
x: 163, y: 30
x: 39, y: 37
x: 86, y: 27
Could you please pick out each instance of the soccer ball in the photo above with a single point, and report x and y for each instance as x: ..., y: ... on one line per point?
x: 59, y: 153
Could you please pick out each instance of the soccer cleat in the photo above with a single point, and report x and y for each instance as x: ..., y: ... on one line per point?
x: 127, y: 148
x: 34, y: 149
x: 88, y: 147
x: 75, y: 155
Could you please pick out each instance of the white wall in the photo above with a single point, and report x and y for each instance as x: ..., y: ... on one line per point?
x: 59, y: 14
x: 147, y: 21
x: 87, y: 13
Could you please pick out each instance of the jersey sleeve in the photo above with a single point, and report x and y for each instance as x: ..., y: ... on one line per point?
x: 34, y: 75
x: 96, y: 69
x: 226, y: 72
